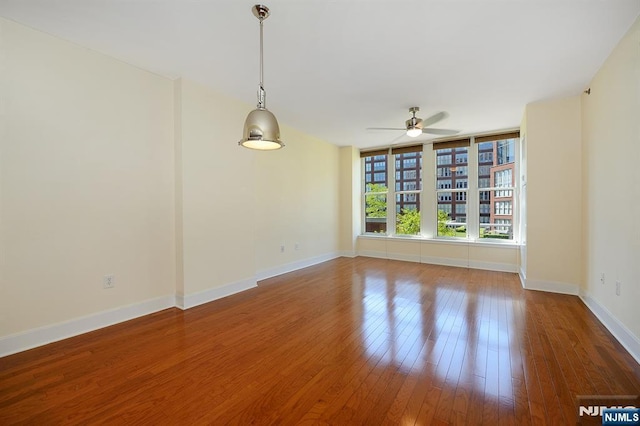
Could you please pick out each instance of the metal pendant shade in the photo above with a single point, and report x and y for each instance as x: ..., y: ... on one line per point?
x: 261, y: 130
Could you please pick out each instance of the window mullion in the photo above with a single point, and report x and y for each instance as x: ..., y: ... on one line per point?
x: 391, y: 194
x: 473, y: 202
x: 428, y: 197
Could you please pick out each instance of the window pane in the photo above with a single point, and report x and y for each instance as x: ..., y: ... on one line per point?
x: 452, y: 173
x: 496, y: 215
x: 376, y: 213
x: 408, y: 214
x: 375, y: 173
x: 452, y: 214
x: 375, y: 178
x: 496, y: 162
x: 408, y: 171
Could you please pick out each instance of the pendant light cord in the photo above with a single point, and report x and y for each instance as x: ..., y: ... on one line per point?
x: 261, y: 93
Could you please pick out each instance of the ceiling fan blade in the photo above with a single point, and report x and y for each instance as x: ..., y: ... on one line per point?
x: 401, y: 139
x: 385, y: 128
x: 434, y: 119
x: 440, y: 131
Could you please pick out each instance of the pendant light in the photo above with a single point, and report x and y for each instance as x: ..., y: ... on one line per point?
x: 261, y: 130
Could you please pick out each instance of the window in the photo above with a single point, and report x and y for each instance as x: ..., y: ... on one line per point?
x: 505, y: 151
x: 462, y: 170
x: 471, y: 191
x: 451, y: 192
x: 444, y: 171
x: 407, y: 197
x: 496, y: 185
x: 444, y: 159
x: 503, y: 208
x: 461, y: 183
x: 444, y: 184
x: 375, y: 193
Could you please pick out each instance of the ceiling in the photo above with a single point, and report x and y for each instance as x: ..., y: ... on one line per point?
x: 334, y: 68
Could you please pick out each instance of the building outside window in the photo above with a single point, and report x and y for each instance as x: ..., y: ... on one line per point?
x: 481, y: 206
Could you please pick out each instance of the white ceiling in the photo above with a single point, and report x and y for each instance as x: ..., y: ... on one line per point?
x: 334, y: 68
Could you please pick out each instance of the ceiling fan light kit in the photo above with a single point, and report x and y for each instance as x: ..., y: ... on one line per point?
x: 261, y: 130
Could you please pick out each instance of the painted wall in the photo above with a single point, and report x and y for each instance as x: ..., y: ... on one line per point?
x: 108, y: 169
x: 240, y: 207
x: 86, y: 182
x: 216, y: 191
x: 611, y: 188
x: 350, y: 200
x: 296, y: 204
x: 554, y: 195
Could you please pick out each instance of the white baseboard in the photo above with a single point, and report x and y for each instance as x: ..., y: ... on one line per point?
x: 347, y: 253
x: 493, y: 266
x: 294, y: 266
x: 444, y: 261
x: 373, y: 253
x: 190, y: 300
x: 553, y: 287
x: 52, y: 333
x: 626, y: 338
x: 404, y: 257
x: 470, y: 263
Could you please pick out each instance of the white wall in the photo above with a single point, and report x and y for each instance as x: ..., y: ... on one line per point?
x: 554, y: 195
x: 611, y: 188
x: 86, y: 182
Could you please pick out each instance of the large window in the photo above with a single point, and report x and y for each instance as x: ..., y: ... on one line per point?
x: 496, y: 185
x: 375, y: 192
x: 451, y: 189
x: 469, y: 191
x: 408, y: 165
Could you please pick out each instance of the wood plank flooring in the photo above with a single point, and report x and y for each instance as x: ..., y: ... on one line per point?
x: 347, y: 342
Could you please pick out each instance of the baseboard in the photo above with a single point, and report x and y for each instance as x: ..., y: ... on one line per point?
x: 190, y: 300
x: 444, y: 261
x: 294, y: 266
x: 404, y: 257
x: 52, y: 333
x: 626, y: 338
x: 493, y: 266
x: 553, y: 287
x: 373, y: 253
x: 347, y: 253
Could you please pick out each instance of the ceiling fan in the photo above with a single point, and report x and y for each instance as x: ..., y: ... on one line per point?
x: 416, y: 126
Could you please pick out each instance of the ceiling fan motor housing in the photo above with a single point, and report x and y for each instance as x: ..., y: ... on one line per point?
x: 413, y: 122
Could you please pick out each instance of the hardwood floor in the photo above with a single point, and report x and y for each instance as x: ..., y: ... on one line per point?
x: 350, y: 341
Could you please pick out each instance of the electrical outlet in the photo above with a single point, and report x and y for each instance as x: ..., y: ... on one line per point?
x: 602, y: 277
x: 618, y: 285
x: 109, y: 281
